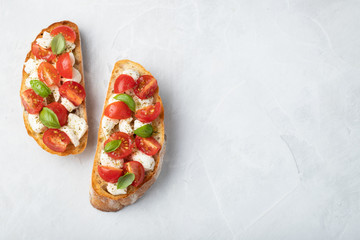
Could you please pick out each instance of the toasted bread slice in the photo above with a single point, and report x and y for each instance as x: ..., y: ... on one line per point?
x: 99, y: 197
x: 71, y: 149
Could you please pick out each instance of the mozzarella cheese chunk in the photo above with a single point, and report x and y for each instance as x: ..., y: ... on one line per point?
x: 45, y: 40
x: 125, y: 126
x: 35, y: 123
x: 132, y: 73
x: 67, y: 104
x: 77, y: 124
x: 108, y: 124
x: 148, y: 162
x: 31, y: 67
x: 112, y: 188
x: 112, y: 99
x: 143, y: 103
x: 69, y: 46
x: 72, y: 58
x: 105, y: 160
x: 76, y: 76
x: 55, y: 92
x: 138, y: 124
x: 71, y: 134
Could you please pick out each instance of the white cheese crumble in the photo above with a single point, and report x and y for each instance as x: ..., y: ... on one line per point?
x: 67, y: 104
x: 108, y: 124
x: 71, y: 134
x: 35, y: 123
x: 125, y: 126
x: 31, y: 67
x: 112, y: 188
x: 72, y: 58
x: 132, y: 73
x: 69, y: 46
x: 112, y: 99
x: 77, y: 124
x: 45, y: 40
x: 148, y: 162
x: 143, y: 103
x: 55, y: 91
x: 138, y: 124
x: 105, y: 160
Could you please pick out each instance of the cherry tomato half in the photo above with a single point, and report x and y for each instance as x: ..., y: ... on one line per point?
x: 68, y: 33
x: 42, y: 53
x: 60, y: 111
x: 125, y: 148
x: 48, y: 74
x: 117, y: 110
x: 145, y: 87
x: 138, y: 170
x: 149, y: 113
x: 32, y: 102
x: 123, y: 82
x: 56, y: 140
x: 64, y: 65
x: 73, y: 91
x: 149, y: 145
x: 110, y: 174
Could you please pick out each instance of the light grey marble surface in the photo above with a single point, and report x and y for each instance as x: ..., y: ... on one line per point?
x: 262, y: 102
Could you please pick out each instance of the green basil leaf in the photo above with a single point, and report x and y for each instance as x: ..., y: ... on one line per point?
x: 40, y: 88
x: 144, y: 131
x: 127, y: 99
x: 58, y: 44
x: 112, y: 145
x: 49, y: 118
x: 125, y: 180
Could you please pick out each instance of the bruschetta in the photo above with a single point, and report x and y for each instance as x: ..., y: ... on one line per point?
x: 53, y: 90
x: 131, y: 138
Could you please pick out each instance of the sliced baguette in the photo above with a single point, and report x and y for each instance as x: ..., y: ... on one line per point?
x: 99, y: 197
x: 71, y: 149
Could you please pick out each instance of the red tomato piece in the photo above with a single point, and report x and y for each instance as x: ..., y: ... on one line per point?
x: 64, y: 65
x: 149, y: 113
x: 149, y: 145
x: 32, y: 102
x: 42, y: 53
x: 56, y: 140
x: 60, y: 111
x: 73, y: 91
x: 68, y: 33
x: 145, y: 87
x: 138, y: 170
x: 125, y: 148
x: 123, y: 82
x: 48, y: 74
x: 117, y: 110
x: 110, y: 174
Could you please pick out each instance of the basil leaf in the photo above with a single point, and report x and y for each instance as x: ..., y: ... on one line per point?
x: 125, y: 181
x: 144, y: 131
x: 112, y: 145
x: 58, y: 44
x: 40, y: 88
x: 49, y: 118
x: 127, y: 99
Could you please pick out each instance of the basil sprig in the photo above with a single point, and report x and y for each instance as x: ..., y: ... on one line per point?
x: 127, y: 99
x: 58, y: 44
x: 144, y: 131
x: 40, y: 88
x: 49, y: 118
x: 112, y: 145
x: 125, y: 180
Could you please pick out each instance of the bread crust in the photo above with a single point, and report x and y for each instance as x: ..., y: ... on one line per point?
x: 71, y: 149
x: 99, y: 197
